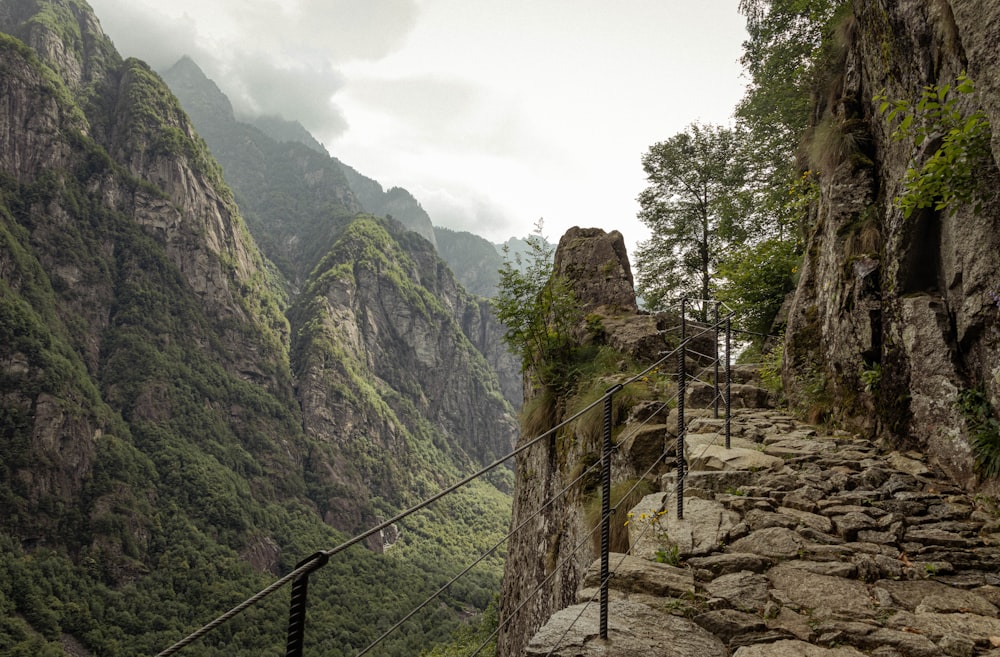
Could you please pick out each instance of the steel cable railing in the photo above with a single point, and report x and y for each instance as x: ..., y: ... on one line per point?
x: 482, y: 558
x: 312, y: 563
x: 299, y: 576
x: 606, y: 579
x: 565, y: 559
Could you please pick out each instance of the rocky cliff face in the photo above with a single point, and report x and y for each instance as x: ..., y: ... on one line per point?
x: 106, y: 194
x: 297, y: 200
x: 911, y: 301
x: 552, y: 549
x: 385, y: 367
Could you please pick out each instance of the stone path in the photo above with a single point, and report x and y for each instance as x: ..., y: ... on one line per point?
x: 796, y: 544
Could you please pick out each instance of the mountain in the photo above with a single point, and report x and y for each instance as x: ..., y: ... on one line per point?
x: 396, y: 203
x: 302, y: 195
x: 277, y: 169
x: 200, y: 388
x: 280, y: 129
x: 298, y: 200
x: 475, y: 261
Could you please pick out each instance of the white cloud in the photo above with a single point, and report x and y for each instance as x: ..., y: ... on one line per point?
x: 491, y: 114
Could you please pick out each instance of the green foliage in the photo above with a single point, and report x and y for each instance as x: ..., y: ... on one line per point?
x: 984, y: 430
x: 871, y: 377
x: 754, y: 280
x: 770, y: 368
x: 475, y: 261
x: 539, y: 312
x: 694, y: 207
x: 959, y: 143
x: 786, y: 54
x: 470, y: 636
x: 669, y: 555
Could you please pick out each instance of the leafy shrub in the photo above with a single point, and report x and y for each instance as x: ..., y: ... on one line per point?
x: 984, y: 430
x: 950, y: 175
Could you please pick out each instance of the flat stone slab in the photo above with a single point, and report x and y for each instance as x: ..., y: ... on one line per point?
x: 719, y: 481
x: 731, y: 562
x: 906, y: 464
x: 792, y: 648
x: 705, y: 526
x: 772, y: 542
x: 717, y: 457
x: 928, y: 595
x: 809, y: 519
x: 795, y: 447
x: 745, y: 591
x: 633, y: 629
x: 728, y: 624
x: 935, y: 626
x: 811, y: 591
x: 696, y: 441
x: 635, y: 575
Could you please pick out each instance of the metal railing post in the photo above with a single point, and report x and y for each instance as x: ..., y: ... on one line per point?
x: 606, y: 450
x: 715, y: 381
x: 297, y: 606
x: 681, y: 376
x: 729, y: 380
x: 683, y: 321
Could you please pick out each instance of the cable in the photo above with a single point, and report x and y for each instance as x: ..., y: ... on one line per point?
x: 208, y: 627
x: 309, y: 565
x: 610, y: 576
x: 493, y: 549
x: 537, y: 589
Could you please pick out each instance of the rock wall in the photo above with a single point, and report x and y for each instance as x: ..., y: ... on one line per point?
x: 551, y: 547
x: 909, y: 300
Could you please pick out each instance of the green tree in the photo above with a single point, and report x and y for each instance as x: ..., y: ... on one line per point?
x: 755, y: 278
x: 786, y: 55
x: 538, y: 309
x: 695, y: 207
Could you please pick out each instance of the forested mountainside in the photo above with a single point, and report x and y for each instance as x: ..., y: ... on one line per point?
x: 475, y: 261
x: 183, y: 418
x: 284, y: 183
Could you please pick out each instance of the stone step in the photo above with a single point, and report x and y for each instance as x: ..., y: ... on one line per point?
x: 741, y: 395
x: 834, y: 549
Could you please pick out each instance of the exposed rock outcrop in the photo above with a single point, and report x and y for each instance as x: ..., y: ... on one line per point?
x: 596, y: 265
x: 909, y: 300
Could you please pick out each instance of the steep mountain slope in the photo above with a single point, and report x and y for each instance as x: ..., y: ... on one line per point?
x: 385, y: 369
x: 395, y: 202
x: 297, y: 226
x: 158, y: 465
x: 296, y: 200
x: 475, y: 261
x: 275, y: 176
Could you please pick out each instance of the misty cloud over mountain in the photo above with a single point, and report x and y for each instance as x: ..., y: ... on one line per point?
x: 271, y: 58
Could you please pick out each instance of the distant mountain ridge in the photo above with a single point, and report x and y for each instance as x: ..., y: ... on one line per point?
x: 238, y: 143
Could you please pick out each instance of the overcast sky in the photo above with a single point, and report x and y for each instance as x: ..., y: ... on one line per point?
x: 493, y: 114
